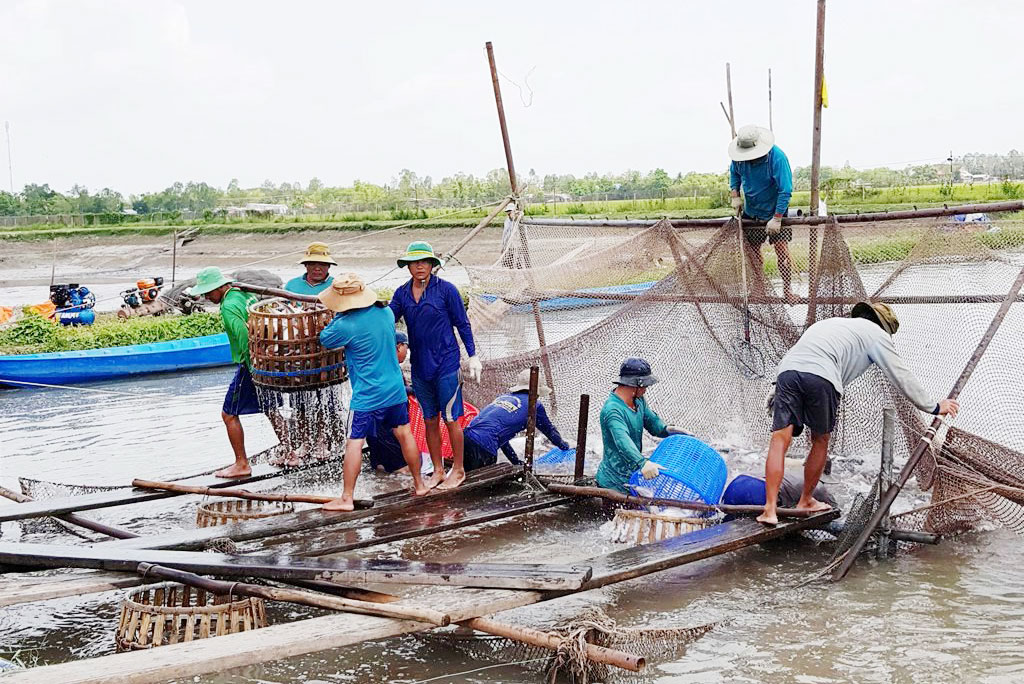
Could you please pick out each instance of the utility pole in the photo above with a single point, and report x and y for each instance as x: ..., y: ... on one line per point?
x: 10, y: 165
x: 950, y: 160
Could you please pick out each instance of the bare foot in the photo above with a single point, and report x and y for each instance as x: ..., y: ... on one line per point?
x: 234, y: 470
x: 453, y: 479
x: 813, y: 505
x: 432, y: 480
x: 321, y: 453
x: 294, y: 459
x: 422, y: 490
x: 770, y: 520
x: 342, y: 503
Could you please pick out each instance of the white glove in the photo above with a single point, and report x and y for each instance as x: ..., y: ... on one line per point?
x: 737, y: 203
x: 773, y: 227
x: 675, y: 430
x: 475, y: 368
x: 650, y: 470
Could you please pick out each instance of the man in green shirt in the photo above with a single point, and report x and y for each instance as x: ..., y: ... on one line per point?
x: 624, y: 418
x: 241, y: 398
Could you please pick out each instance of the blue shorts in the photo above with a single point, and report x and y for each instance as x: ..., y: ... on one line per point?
x: 378, y: 422
x: 442, y: 396
x: 242, y: 399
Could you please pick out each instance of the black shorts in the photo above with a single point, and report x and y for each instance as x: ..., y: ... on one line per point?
x: 475, y: 456
x: 756, y: 235
x: 805, y: 399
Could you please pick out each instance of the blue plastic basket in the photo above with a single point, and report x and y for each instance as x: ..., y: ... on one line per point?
x: 554, y: 460
x: 691, y: 471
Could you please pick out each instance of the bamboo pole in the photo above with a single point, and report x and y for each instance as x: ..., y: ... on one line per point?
x: 925, y: 443
x: 305, y: 598
x: 74, y: 518
x: 885, y: 476
x: 617, y: 497
x: 242, y: 493
x: 728, y: 88
x: 488, y: 625
x: 276, y: 292
x: 174, y: 255
x: 581, y: 436
x: 710, y: 223
x: 819, y: 75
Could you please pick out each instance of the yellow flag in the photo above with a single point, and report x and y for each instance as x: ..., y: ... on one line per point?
x: 824, y: 92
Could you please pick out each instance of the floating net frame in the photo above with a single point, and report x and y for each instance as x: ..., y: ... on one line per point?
x: 169, y: 613
x: 285, y: 349
x: 643, y: 527
x: 226, y: 511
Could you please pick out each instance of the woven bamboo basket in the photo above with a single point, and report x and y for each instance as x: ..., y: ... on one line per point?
x: 641, y: 527
x: 226, y: 511
x: 168, y: 613
x: 285, y: 349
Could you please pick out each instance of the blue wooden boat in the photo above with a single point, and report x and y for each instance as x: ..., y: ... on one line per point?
x: 563, y: 303
x: 86, y: 365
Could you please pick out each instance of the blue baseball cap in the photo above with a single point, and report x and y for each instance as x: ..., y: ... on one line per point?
x: 401, y: 338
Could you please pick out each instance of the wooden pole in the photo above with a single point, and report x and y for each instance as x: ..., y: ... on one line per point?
x: 812, y: 238
x: 728, y: 88
x: 526, y: 635
x: 771, y: 126
x: 871, y: 217
x: 617, y: 497
x: 531, y: 419
x: 53, y: 260
x: 174, y: 255
x: 885, y: 476
x: 242, y: 493
x: 514, y: 184
x: 276, y: 292
x: 581, y: 436
x: 74, y: 519
x: 925, y: 443
x: 305, y: 598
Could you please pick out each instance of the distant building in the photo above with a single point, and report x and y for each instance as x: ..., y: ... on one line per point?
x: 968, y: 177
x: 259, y: 207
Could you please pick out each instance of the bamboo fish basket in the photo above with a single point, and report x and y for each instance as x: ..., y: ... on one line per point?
x: 285, y: 349
x: 226, y: 511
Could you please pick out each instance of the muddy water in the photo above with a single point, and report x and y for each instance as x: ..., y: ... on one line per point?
x: 948, y: 613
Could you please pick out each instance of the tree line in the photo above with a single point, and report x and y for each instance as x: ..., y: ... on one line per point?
x: 409, y: 190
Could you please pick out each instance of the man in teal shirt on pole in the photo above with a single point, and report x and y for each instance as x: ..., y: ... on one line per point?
x: 762, y: 171
x: 624, y: 418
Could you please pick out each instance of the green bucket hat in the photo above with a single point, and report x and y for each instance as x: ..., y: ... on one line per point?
x: 208, y: 280
x: 418, y: 251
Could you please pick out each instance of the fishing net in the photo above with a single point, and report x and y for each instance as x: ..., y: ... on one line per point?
x: 591, y: 626
x: 677, y: 296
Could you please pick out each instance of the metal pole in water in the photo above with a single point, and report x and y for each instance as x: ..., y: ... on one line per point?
x: 885, y: 477
x: 581, y: 436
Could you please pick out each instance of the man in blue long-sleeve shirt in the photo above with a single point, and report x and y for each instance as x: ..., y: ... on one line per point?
x: 503, y: 419
x: 762, y: 171
x: 433, y: 310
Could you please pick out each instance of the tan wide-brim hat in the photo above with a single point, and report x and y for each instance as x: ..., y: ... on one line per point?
x: 347, y: 292
x: 880, y: 312
x: 751, y: 142
x: 522, y: 384
x: 319, y: 253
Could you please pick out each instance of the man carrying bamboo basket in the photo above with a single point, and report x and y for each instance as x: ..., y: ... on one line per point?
x: 365, y: 328
x: 433, y: 310
x: 241, y: 398
x: 811, y: 378
x: 762, y: 171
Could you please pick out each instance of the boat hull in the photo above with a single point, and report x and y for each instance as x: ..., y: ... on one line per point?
x: 87, y: 365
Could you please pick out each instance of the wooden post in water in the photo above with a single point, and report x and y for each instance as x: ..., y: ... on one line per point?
x: 174, y: 255
x: 581, y: 436
x: 531, y: 419
x: 885, y: 477
x: 819, y: 78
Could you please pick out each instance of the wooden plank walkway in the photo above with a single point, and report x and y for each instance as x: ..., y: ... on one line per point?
x: 356, y: 571
x: 70, y: 504
x: 185, y: 539
x: 332, y: 631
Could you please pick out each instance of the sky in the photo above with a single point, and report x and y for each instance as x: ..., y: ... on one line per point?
x: 135, y: 95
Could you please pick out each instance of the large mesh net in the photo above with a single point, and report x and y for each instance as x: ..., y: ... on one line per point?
x: 679, y: 297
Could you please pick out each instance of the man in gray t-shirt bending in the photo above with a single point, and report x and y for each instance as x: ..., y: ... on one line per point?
x: 811, y: 378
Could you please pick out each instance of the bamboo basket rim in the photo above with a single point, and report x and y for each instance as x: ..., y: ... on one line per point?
x: 632, y: 513
x: 233, y: 602
x: 317, y: 309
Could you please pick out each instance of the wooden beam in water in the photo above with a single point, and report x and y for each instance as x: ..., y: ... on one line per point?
x: 344, y: 570
x: 716, y: 540
x: 478, y: 480
x: 88, y: 502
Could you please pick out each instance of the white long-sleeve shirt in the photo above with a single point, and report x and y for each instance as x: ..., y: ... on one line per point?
x: 841, y: 349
